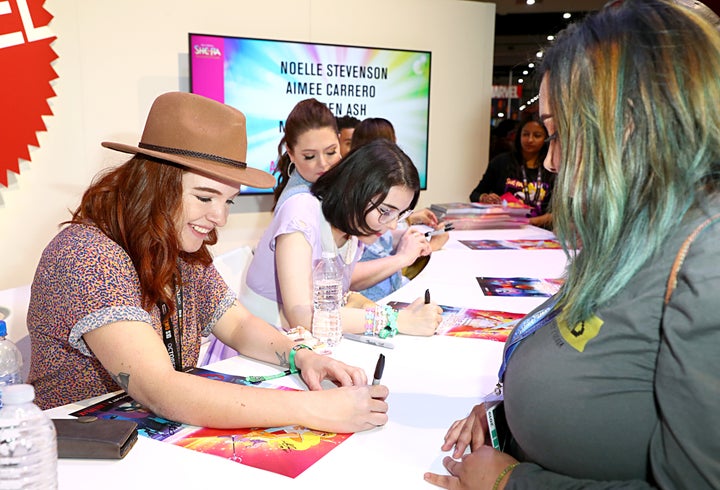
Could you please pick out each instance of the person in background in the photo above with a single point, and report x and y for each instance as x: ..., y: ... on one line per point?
x: 373, y: 128
x: 309, y: 147
x: 336, y: 215
x: 615, y: 381
x: 346, y: 127
x: 123, y: 294
x: 379, y: 271
x: 519, y: 172
x: 502, y: 137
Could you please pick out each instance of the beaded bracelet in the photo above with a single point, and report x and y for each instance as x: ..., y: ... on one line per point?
x: 390, y: 328
x: 502, y: 474
x: 346, y: 297
x: 380, y: 319
x: 369, y: 321
x: 392, y: 320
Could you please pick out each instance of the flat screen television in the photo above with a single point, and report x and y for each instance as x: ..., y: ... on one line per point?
x: 265, y: 79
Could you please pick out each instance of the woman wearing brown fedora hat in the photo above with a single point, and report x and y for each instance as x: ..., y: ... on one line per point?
x: 123, y: 294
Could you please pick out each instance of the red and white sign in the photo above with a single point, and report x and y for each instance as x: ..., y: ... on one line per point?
x: 26, y: 58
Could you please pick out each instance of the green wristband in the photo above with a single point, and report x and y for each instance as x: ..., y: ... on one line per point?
x: 390, y: 330
x: 291, y: 360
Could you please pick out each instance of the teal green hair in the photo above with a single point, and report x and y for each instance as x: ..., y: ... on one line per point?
x: 633, y: 91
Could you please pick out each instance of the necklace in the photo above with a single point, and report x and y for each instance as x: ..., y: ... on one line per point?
x: 347, y: 250
x: 526, y: 188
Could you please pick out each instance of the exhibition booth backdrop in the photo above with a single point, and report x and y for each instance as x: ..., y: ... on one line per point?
x: 114, y: 58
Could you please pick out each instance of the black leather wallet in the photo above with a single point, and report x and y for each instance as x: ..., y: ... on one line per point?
x: 89, y: 437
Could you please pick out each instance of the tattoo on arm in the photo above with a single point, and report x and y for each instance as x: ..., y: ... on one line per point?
x: 282, y: 358
x: 122, y: 379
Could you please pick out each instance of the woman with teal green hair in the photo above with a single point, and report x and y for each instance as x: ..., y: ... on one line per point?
x: 615, y: 381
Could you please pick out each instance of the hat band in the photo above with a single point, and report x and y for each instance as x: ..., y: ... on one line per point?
x: 196, y: 154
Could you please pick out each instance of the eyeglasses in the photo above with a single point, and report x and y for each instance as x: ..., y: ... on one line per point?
x: 388, y: 215
x: 552, y: 137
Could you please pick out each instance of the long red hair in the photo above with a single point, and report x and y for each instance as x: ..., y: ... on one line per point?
x: 137, y: 205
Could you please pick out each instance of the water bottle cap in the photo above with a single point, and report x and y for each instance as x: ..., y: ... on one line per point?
x: 15, y: 394
x: 3, y: 328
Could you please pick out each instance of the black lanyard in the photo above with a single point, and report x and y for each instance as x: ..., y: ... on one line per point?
x: 173, y: 347
x: 526, y: 189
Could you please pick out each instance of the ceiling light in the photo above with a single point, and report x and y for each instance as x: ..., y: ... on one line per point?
x: 531, y: 65
x: 567, y: 15
x: 550, y: 37
x: 539, y: 54
x: 530, y: 2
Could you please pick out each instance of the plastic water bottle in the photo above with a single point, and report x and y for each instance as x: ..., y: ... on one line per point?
x: 10, y: 361
x: 327, y: 297
x: 28, y: 443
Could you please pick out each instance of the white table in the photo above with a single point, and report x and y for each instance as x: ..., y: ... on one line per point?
x: 432, y: 381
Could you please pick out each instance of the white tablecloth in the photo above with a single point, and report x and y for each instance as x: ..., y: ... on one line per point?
x: 433, y: 381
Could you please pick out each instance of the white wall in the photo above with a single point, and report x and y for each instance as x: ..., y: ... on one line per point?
x: 115, y: 57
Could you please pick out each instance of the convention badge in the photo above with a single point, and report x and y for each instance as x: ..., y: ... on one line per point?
x: 498, y: 431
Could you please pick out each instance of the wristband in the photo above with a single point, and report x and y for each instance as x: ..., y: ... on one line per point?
x: 502, y: 474
x: 380, y: 319
x: 369, y: 321
x: 291, y: 360
x: 390, y: 328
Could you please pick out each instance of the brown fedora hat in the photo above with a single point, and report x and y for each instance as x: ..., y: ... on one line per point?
x: 201, y: 134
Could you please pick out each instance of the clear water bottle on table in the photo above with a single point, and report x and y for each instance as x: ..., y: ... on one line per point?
x: 327, y: 300
x: 10, y: 361
x: 28, y: 442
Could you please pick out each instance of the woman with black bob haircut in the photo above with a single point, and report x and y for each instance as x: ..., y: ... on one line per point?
x: 350, y: 205
x: 345, y: 193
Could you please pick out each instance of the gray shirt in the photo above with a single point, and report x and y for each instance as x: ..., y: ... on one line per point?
x: 632, y: 399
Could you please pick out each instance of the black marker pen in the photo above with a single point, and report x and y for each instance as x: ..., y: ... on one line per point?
x: 379, y: 367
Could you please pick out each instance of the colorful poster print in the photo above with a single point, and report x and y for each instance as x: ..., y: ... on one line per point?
x: 471, y: 323
x: 519, y: 286
x: 511, y: 244
x: 284, y: 450
x: 122, y: 407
